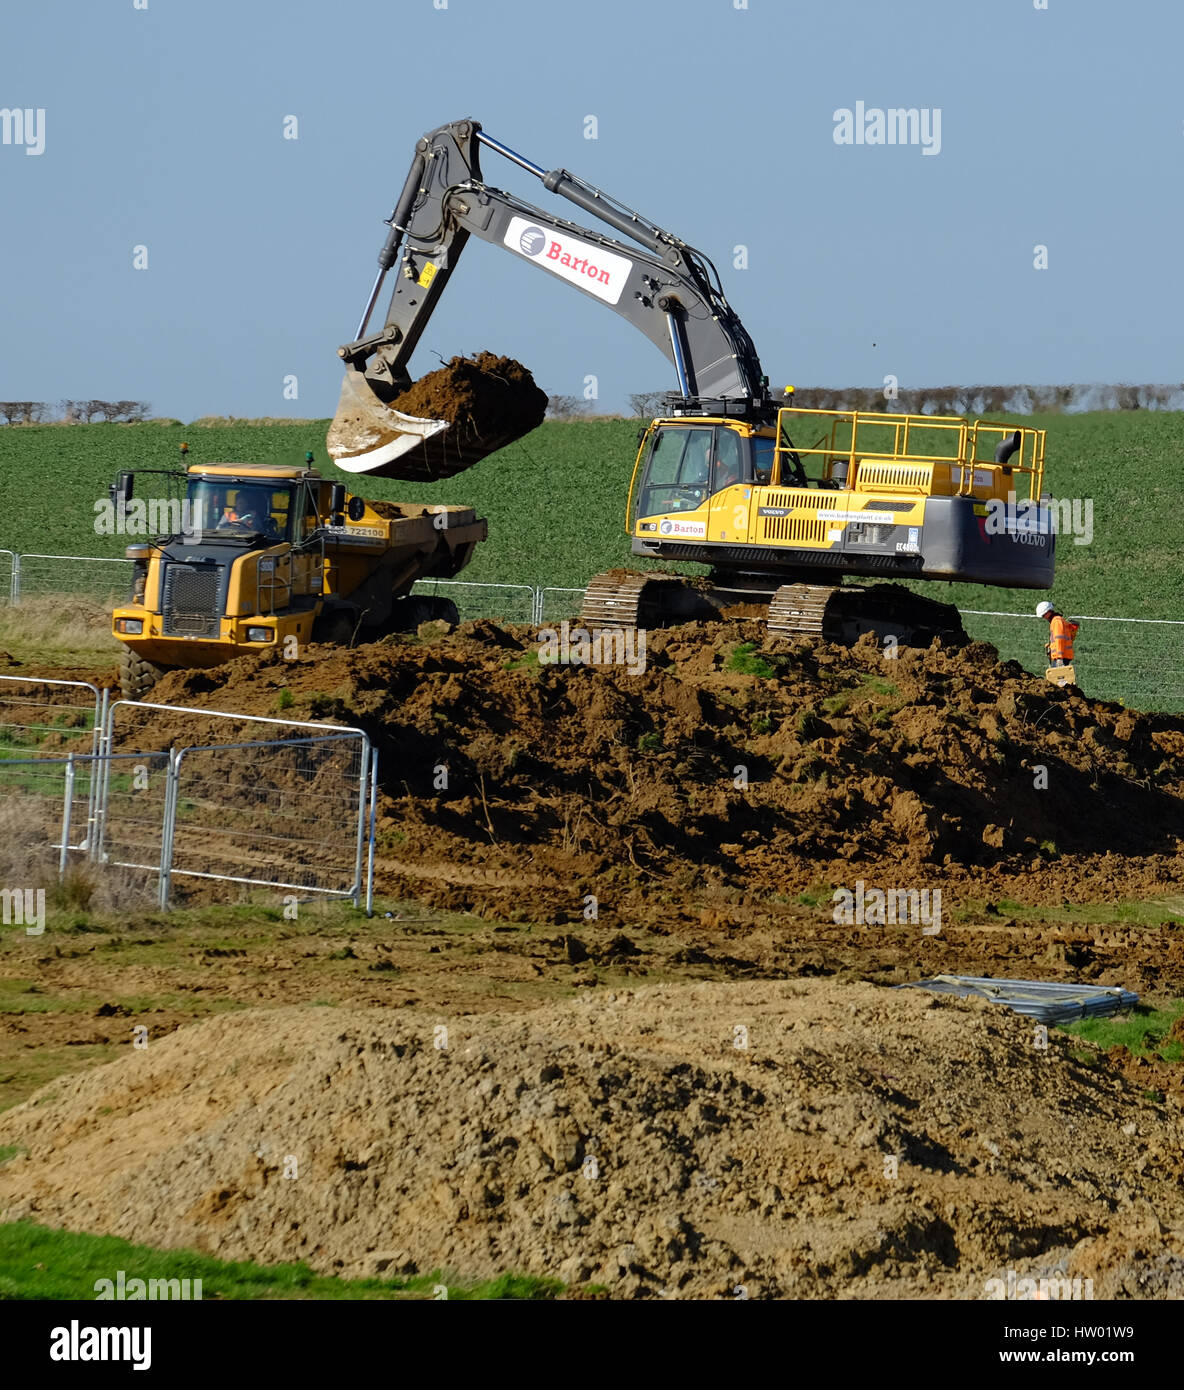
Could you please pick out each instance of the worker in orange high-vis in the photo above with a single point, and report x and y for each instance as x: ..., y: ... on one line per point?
x: 1061, y: 631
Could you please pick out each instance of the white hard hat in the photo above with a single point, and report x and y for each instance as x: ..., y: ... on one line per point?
x: 1043, y: 609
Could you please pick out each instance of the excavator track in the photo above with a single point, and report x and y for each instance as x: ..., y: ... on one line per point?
x: 839, y: 613
x: 613, y: 600
x: 842, y: 613
x: 647, y: 599
x: 799, y: 610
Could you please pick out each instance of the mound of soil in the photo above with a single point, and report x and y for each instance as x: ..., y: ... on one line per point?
x: 800, y: 1139
x: 700, y: 776
x: 488, y: 401
x: 480, y: 395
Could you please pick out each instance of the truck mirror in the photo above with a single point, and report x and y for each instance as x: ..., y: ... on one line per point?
x: 337, y: 504
x: 121, y: 489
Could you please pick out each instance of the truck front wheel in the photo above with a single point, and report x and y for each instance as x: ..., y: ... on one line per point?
x: 138, y: 675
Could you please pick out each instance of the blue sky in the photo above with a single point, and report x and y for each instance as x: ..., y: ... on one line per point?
x: 1061, y: 127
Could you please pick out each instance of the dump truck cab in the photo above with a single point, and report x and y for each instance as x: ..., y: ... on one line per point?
x: 269, y: 557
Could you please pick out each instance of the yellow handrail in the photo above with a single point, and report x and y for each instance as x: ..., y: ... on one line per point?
x: 964, y: 447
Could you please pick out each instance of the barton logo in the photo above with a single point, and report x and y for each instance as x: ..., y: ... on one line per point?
x: 532, y: 241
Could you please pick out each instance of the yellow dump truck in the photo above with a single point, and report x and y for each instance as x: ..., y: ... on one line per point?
x: 264, y: 557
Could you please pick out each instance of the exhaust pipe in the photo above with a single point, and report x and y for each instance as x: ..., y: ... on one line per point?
x: 1008, y: 447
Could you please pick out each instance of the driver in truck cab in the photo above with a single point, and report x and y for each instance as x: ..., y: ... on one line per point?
x: 250, y: 511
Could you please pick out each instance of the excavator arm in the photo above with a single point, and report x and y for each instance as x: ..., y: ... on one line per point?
x: 662, y: 286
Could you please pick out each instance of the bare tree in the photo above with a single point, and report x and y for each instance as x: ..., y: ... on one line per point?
x: 646, y: 404
x: 23, y: 412
x: 566, y: 408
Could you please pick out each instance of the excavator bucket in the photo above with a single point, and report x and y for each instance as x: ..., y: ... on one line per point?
x: 368, y: 436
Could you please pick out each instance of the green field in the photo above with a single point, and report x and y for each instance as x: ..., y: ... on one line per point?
x: 39, y: 1263
x: 556, y: 500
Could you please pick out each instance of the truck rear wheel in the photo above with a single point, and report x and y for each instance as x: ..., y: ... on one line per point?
x: 427, y: 608
x: 138, y: 675
x: 334, y: 628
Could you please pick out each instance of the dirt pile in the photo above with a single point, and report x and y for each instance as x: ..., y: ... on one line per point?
x: 730, y: 770
x: 480, y: 395
x: 488, y: 401
x: 803, y: 1139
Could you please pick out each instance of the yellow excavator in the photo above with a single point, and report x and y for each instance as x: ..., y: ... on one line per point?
x: 269, y: 557
x: 780, y: 503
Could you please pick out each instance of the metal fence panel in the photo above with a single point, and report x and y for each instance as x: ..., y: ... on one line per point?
x: 134, y: 792
x: 512, y: 603
x: 555, y: 604
x: 42, y: 723
x: 281, y: 814
x: 47, y: 801
x: 275, y: 802
x: 106, y: 581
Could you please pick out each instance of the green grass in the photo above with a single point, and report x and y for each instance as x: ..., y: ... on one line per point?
x: 39, y: 1263
x: 1150, y: 912
x: 567, y: 482
x: 555, y: 503
x: 743, y: 658
x: 1143, y: 1031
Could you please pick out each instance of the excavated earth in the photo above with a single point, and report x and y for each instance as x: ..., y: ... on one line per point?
x: 487, y: 400
x: 694, y: 786
x: 859, y: 1143
x: 482, y: 394
x: 773, y: 1123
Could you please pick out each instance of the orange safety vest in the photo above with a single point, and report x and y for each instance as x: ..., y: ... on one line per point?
x: 1060, y: 648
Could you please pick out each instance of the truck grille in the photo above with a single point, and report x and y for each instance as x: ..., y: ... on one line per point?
x: 191, y: 607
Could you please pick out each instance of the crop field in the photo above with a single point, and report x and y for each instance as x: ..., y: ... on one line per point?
x: 555, y: 500
x: 709, y: 807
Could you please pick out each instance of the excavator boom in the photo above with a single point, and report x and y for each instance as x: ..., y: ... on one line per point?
x: 662, y: 286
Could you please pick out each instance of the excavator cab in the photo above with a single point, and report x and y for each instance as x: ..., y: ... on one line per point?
x: 687, y: 463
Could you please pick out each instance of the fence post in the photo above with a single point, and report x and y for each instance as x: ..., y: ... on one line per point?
x: 94, y: 804
x: 373, y: 818
x: 363, y: 788
x: 15, y: 585
x: 168, y: 829
x: 66, y: 814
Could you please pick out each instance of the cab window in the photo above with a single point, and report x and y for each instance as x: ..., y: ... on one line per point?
x: 729, y: 460
x: 762, y: 458
x: 678, y: 471
x: 306, y: 519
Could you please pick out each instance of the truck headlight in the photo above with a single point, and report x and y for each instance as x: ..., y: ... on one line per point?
x: 129, y: 625
x: 259, y: 634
